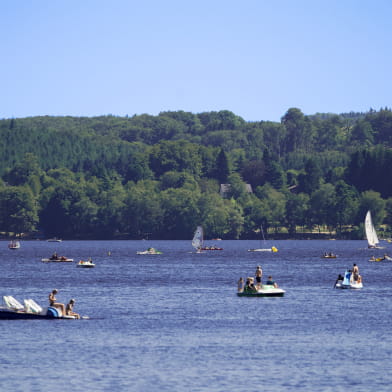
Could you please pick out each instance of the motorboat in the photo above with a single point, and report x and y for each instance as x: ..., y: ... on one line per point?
x: 348, y: 282
x: 265, y: 290
x: 329, y: 256
x: 14, y: 244
x: 55, y: 239
x: 13, y: 309
x: 149, y: 251
x: 85, y: 264
x: 57, y: 259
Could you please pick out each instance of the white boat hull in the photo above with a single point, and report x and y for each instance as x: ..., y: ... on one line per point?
x: 264, y: 291
x: 85, y: 265
x: 57, y: 260
x: 350, y: 286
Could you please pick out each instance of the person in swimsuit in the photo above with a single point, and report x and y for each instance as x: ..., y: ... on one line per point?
x: 52, y: 302
x: 69, y: 309
x: 355, y: 272
x: 259, y: 274
x: 339, y: 280
x: 271, y: 282
x: 249, y: 286
x: 241, y: 285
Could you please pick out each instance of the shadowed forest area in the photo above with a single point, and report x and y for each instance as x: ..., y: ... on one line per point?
x: 160, y: 176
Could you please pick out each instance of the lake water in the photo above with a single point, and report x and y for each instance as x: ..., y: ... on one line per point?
x: 174, y: 322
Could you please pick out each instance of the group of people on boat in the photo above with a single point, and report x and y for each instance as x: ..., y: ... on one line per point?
x: 55, y: 256
x: 65, y: 310
x: 250, y: 285
x: 86, y: 263
x: 355, y: 276
x: 329, y: 255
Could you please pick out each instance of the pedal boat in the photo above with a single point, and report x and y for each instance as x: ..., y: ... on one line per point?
x: 14, y: 310
x: 264, y: 291
x: 348, y: 282
x: 85, y: 264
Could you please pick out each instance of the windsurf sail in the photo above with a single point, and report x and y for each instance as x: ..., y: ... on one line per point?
x: 197, y: 240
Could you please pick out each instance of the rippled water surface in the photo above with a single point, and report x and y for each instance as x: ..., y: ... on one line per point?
x: 173, y: 322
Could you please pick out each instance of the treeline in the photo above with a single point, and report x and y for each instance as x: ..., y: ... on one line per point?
x: 160, y: 176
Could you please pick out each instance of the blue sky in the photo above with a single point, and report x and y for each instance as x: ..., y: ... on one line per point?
x: 256, y: 58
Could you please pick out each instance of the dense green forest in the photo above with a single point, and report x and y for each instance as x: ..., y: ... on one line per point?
x: 160, y: 176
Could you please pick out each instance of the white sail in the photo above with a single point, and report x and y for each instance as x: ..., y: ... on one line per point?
x: 197, y: 241
x: 370, y: 231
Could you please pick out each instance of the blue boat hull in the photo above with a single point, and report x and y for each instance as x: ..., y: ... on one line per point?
x: 10, y: 314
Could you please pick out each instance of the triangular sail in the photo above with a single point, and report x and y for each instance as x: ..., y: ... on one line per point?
x: 370, y: 231
x: 197, y: 241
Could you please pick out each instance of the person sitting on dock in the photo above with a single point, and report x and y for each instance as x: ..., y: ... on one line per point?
x: 271, y: 282
x: 69, y: 309
x: 52, y: 302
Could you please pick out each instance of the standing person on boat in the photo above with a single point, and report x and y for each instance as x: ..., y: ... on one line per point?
x: 259, y: 275
x: 355, y: 272
x: 52, y: 302
x: 69, y: 309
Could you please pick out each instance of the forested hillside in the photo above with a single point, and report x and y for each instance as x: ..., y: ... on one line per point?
x: 159, y: 176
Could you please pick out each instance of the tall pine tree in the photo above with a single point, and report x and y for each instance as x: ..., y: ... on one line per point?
x: 222, y: 167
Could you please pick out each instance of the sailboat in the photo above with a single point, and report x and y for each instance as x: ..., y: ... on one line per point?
x: 197, y: 241
x: 263, y: 243
x: 370, y: 231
